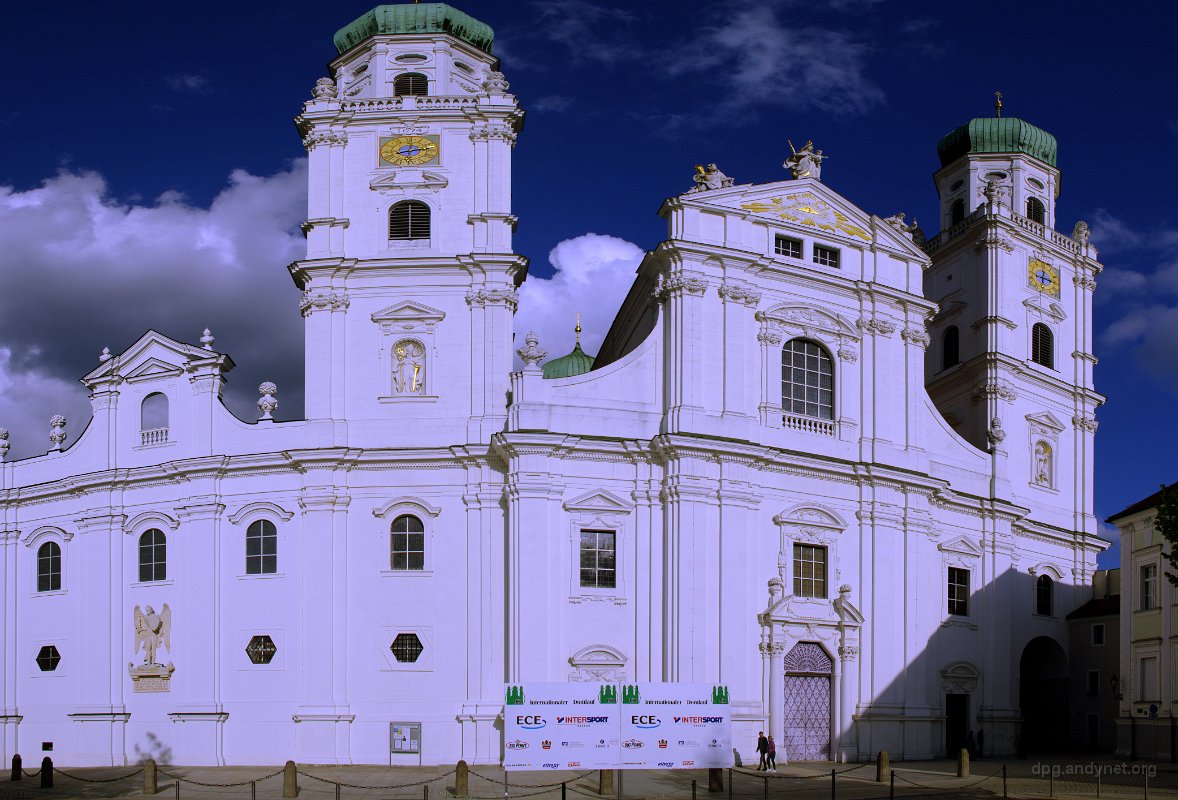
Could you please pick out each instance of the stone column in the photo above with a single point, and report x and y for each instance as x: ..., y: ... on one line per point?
x: 775, y: 652
x: 848, y: 740
x: 9, y: 719
x: 769, y: 403
x: 323, y: 717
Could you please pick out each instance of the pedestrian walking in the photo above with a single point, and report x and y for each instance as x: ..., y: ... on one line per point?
x: 771, y: 755
x: 762, y: 749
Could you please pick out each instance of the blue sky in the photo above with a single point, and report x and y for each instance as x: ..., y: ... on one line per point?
x: 160, y: 138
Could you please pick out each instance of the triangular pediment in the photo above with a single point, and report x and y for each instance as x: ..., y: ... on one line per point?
x: 409, y: 312
x: 151, y: 357
x: 1047, y: 420
x: 599, y: 501
x: 961, y: 546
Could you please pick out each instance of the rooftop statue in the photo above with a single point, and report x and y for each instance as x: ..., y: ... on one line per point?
x: 709, y: 177
x: 805, y: 163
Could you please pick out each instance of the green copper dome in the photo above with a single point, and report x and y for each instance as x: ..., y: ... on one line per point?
x: 415, y: 18
x: 577, y: 362
x: 997, y: 135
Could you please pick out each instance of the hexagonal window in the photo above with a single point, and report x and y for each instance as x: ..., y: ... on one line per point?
x: 261, y: 649
x: 48, y: 658
x: 406, y: 648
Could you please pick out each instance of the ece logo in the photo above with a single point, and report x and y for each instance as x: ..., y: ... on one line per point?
x: 530, y: 722
x: 645, y: 721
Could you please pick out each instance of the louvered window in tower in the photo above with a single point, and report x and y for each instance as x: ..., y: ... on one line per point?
x: 410, y: 83
x: 1035, y: 210
x: 1042, y: 345
x: 409, y: 220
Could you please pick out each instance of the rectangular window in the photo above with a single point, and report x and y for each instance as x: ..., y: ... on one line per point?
x: 959, y: 591
x: 826, y: 256
x: 809, y: 570
x: 785, y: 246
x: 599, y: 559
x: 1093, y: 682
x: 1147, y: 672
x: 1098, y: 634
x: 1149, y: 587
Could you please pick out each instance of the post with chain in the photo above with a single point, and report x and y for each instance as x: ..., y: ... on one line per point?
x: 424, y: 793
x: 963, y: 763
x: 1147, y: 785
x: 177, y: 788
x: 16, y: 767
x: 693, y: 789
x: 605, y: 782
x: 564, y: 790
x: 1098, y: 783
x: 882, y: 766
x: 290, y: 780
x: 832, y: 784
x: 47, y: 773
x: 150, y: 777
x: 1004, y: 780
x: 892, y: 787
x: 1050, y: 785
x: 461, y: 779
x: 253, y: 790
x: 729, y: 783
x: 716, y: 779
x: 765, y: 787
x: 337, y: 791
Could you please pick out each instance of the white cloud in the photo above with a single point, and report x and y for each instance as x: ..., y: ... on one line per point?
x: 553, y: 102
x: 195, y: 84
x: 590, y: 31
x: 82, y: 270
x: 755, y: 58
x: 593, y: 275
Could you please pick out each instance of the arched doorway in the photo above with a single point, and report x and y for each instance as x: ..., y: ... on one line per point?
x: 1043, y: 696
x: 807, y: 702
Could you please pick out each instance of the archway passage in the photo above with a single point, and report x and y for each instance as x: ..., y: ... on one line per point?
x: 807, y: 703
x: 1043, y: 696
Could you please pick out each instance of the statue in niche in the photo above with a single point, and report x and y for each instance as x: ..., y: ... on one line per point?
x: 1042, y: 470
x: 409, y: 367
x: 151, y: 630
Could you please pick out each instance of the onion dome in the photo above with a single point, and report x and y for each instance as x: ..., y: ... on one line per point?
x: 407, y: 18
x: 577, y: 362
x: 997, y: 135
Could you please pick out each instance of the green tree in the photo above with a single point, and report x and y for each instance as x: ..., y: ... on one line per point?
x: 1166, y: 523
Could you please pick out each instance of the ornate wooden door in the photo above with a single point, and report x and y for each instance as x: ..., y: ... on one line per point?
x: 807, y: 703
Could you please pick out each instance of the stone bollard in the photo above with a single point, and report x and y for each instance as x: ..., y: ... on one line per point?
x: 882, y: 766
x: 150, y: 776
x: 290, y: 780
x: 461, y: 779
x: 47, y: 773
x: 16, y: 773
x: 963, y: 763
x: 605, y: 781
x: 715, y: 779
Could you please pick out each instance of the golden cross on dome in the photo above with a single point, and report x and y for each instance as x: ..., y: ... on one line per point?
x: 578, y: 328
x: 998, y: 104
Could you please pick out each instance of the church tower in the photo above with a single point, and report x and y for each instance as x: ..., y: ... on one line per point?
x: 1011, y: 358
x: 409, y: 284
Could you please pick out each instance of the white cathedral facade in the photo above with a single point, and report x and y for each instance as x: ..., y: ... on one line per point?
x: 845, y: 472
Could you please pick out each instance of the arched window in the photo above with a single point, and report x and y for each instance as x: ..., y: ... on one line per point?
x: 261, y: 548
x: 410, y: 83
x: 807, y: 380
x: 950, y: 347
x: 153, y: 556
x: 153, y: 413
x: 49, y: 567
x: 408, y: 543
x: 409, y: 219
x: 1042, y: 345
x: 957, y: 211
x: 1044, y: 592
x: 1035, y: 210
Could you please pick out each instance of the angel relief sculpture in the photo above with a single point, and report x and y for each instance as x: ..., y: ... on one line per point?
x: 152, y: 630
x: 409, y: 367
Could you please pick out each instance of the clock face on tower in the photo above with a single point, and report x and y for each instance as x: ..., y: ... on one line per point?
x: 406, y: 151
x: 1043, y: 277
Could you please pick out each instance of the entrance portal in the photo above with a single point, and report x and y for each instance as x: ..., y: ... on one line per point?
x: 956, y: 723
x: 807, y: 703
x: 1043, y: 696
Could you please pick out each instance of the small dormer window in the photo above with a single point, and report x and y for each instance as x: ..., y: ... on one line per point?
x: 1035, y: 210
x: 411, y: 83
x: 826, y: 256
x: 788, y: 247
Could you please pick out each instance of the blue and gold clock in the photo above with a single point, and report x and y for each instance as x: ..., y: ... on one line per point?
x: 1043, y: 277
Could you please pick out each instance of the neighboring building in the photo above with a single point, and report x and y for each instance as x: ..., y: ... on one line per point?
x: 843, y: 471
x: 1147, y: 717
x: 1095, y: 666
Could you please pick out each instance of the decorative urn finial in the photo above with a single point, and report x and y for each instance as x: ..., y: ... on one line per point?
x: 4, y: 443
x: 268, y: 403
x: 207, y: 339
x: 105, y: 355
x: 532, y: 354
x: 57, y: 433
x: 325, y: 89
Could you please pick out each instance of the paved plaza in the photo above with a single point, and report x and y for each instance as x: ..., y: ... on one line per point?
x: 1029, y: 778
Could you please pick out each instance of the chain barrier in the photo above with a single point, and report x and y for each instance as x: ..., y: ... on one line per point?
x: 534, y: 785
x: 978, y: 782
x: 97, y: 780
x: 218, y: 785
x: 390, y: 786
x: 762, y: 774
x: 30, y: 774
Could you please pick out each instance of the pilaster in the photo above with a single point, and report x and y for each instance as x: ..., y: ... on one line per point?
x: 9, y: 716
